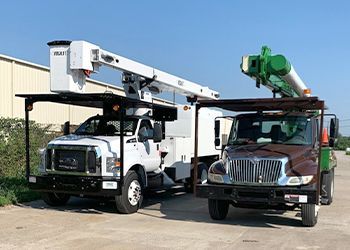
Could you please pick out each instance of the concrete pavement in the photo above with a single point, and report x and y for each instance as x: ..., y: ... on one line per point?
x: 175, y: 220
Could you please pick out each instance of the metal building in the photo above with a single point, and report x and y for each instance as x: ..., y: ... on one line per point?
x: 22, y: 77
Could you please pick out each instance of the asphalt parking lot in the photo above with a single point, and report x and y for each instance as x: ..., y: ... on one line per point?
x: 175, y: 220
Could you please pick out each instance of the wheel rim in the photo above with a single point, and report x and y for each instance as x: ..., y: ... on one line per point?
x: 134, y: 192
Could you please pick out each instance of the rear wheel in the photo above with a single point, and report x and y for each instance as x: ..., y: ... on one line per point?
x: 328, y: 182
x: 309, y: 214
x: 218, y: 209
x: 131, y: 198
x: 55, y: 199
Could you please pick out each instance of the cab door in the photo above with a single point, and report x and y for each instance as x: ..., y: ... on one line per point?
x: 149, y: 150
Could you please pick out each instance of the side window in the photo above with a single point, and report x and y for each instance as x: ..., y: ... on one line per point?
x: 92, y: 126
x: 147, y: 124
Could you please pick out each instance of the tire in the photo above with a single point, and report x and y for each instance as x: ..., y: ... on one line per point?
x: 309, y: 214
x: 202, y: 177
x: 132, y: 194
x: 328, y: 183
x: 218, y: 209
x: 55, y: 199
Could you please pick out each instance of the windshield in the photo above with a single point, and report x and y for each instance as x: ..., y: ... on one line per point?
x: 110, y: 126
x: 292, y: 130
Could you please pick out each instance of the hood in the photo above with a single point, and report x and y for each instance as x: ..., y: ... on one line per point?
x: 294, y: 153
x: 105, y: 143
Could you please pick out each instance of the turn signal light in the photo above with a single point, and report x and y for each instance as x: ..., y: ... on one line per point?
x: 307, y: 92
x: 187, y: 107
x: 117, y: 163
x: 116, y: 107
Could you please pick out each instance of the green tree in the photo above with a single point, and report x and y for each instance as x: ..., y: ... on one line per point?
x: 343, y: 142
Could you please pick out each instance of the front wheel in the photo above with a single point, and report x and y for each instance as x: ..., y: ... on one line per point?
x: 55, y: 199
x: 309, y: 214
x: 131, y: 197
x: 218, y: 209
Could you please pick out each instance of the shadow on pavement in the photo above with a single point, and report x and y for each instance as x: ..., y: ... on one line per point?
x: 175, y: 204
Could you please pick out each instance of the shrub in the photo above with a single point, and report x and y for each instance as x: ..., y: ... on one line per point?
x: 12, y: 145
x: 13, y: 185
x: 13, y: 190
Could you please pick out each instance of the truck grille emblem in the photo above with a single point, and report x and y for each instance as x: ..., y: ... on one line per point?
x: 255, y: 161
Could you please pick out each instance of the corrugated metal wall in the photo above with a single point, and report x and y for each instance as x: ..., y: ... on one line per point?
x: 21, y: 77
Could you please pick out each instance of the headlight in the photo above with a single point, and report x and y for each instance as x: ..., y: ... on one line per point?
x: 113, y: 166
x: 216, y: 178
x: 299, y: 180
x: 42, y: 164
x: 217, y: 171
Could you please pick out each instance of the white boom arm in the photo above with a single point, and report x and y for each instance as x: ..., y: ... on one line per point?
x: 72, y: 62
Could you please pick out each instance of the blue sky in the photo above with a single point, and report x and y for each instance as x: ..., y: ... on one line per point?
x: 202, y: 41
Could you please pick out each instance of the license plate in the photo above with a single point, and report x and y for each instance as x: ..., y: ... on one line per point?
x: 295, y: 198
x: 32, y: 179
x: 109, y: 185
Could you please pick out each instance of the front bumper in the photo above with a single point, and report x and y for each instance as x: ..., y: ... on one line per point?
x: 75, y: 185
x: 259, y: 194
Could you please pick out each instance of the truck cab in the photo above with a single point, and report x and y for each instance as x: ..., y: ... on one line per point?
x: 93, y: 148
x: 277, y: 147
x: 87, y: 162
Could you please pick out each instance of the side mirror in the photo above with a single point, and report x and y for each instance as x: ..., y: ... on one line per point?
x: 222, y: 126
x: 334, y: 128
x: 217, y: 133
x: 333, y: 131
x: 143, y: 135
x: 157, y: 132
x: 217, y: 142
x: 66, y: 128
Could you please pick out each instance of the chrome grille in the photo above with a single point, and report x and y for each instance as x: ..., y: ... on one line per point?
x: 259, y: 171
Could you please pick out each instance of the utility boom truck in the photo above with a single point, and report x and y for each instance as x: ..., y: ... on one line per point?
x: 135, y: 144
x: 278, y: 154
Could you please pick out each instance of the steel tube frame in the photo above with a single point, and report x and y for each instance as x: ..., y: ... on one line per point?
x: 319, y: 156
x: 122, y: 119
x: 27, y: 142
x: 195, y: 162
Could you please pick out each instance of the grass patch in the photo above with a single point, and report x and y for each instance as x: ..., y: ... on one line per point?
x: 15, y: 190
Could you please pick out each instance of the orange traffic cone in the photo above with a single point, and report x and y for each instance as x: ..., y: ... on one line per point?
x: 325, y: 140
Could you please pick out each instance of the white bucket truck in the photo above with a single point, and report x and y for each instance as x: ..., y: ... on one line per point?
x: 135, y: 144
